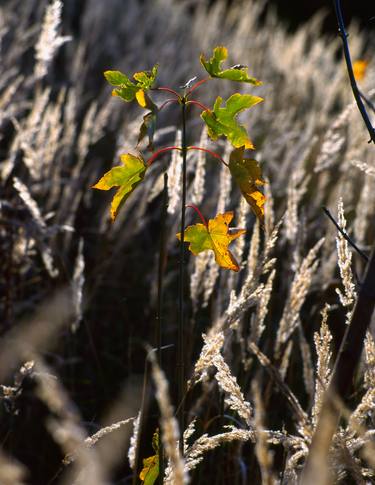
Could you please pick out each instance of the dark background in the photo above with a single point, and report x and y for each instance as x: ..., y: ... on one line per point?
x: 296, y: 12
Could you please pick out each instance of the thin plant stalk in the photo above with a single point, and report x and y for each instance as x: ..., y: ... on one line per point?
x: 159, y: 322
x: 180, y: 353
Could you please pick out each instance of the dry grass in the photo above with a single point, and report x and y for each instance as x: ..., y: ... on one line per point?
x: 257, y: 381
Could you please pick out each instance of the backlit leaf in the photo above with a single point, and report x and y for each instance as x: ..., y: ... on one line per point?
x: 150, y: 470
x: 127, y: 89
x: 234, y: 73
x: 126, y: 177
x: 216, y: 236
x: 148, y: 125
x: 248, y: 175
x: 222, y: 120
x: 359, y: 69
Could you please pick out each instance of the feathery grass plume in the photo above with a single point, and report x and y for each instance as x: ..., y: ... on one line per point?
x: 308, y: 368
x: 269, y: 213
x: 49, y: 39
x: 77, y: 284
x: 238, y: 305
x: 298, y: 291
x: 195, y: 453
x: 197, y: 190
x: 234, y: 398
x: 197, y: 278
x: 213, y: 344
x: 334, y: 140
x: 285, y: 360
x: 41, y: 228
x: 188, y: 433
x: 296, y: 190
x: 253, y: 256
x: 257, y: 324
x: 323, y: 350
x: 263, y: 454
x: 364, y: 210
x: 300, y: 414
x: 11, y: 471
x: 365, y: 167
x: 369, y: 377
x: 344, y: 255
x: 65, y: 427
x: 174, y: 176
x: 175, y: 473
x: 30, y: 203
x: 132, y: 452
x: 93, y: 439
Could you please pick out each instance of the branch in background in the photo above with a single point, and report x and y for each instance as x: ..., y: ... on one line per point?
x: 352, y: 343
x: 369, y: 103
x: 345, y: 235
x: 349, y: 66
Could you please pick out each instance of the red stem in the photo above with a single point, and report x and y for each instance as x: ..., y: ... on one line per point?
x: 194, y: 207
x: 170, y: 100
x: 168, y: 90
x: 197, y: 84
x: 199, y: 104
x: 213, y: 154
x: 159, y: 152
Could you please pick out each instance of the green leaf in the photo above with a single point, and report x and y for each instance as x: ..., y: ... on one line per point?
x: 216, y: 237
x: 150, y: 470
x: 222, y: 120
x: 126, y: 89
x: 236, y: 73
x: 126, y: 178
x: 248, y: 175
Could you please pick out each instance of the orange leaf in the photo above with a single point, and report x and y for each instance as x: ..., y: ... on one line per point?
x: 359, y: 69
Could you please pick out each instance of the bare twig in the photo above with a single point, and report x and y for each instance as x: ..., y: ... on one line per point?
x: 349, y: 66
x: 345, y: 235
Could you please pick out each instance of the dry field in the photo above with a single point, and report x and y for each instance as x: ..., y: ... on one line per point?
x: 78, y: 294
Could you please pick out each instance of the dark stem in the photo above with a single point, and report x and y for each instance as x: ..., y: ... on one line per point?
x: 159, y: 320
x: 194, y: 207
x: 200, y: 105
x: 197, y: 84
x: 344, y: 235
x: 168, y: 90
x: 213, y: 154
x: 168, y: 101
x: 180, y: 357
x: 159, y: 152
x: 369, y: 103
x: 349, y: 66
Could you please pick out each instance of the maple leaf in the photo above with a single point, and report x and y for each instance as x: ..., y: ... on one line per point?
x: 214, y: 236
x: 234, y: 73
x: 150, y: 470
x: 222, y: 120
x: 127, y: 89
x: 126, y: 177
x: 248, y: 175
x: 359, y: 69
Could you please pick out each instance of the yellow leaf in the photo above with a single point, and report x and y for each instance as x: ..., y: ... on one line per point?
x: 216, y: 237
x: 141, y: 98
x: 125, y: 177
